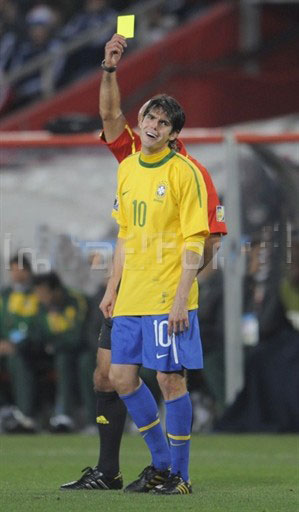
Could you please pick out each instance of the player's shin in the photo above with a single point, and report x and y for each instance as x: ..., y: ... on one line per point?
x: 178, y: 425
x: 144, y: 411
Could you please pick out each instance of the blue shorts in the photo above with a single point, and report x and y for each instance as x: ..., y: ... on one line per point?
x: 144, y: 340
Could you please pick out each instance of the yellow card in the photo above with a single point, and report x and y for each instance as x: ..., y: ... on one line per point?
x: 125, y: 25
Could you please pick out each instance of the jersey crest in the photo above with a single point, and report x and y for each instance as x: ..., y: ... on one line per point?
x: 161, y: 190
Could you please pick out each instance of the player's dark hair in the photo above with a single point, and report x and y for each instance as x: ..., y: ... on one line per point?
x: 49, y: 279
x: 22, y: 262
x: 171, y: 107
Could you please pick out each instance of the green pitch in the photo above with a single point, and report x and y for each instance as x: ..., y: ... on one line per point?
x: 230, y: 473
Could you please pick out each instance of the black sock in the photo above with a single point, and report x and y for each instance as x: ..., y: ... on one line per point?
x: 111, y: 417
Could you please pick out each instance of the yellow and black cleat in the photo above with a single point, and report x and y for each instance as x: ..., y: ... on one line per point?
x: 148, y: 479
x: 173, y: 485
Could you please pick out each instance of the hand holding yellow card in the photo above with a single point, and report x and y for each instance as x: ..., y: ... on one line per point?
x: 125, y: 25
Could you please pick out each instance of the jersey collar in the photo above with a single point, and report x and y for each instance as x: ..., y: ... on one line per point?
x: 156, y: 160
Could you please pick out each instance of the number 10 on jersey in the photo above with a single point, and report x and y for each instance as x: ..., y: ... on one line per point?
x: 139, y: 213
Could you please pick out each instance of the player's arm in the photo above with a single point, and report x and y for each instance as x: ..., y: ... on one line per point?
x: 191, y: 262
x: 212, y: 246
x: 216, y: 225
x: 109, y: 299
x: 193, y: 211
x: 109, y: 96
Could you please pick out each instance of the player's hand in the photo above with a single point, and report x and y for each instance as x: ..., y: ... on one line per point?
x: 114, y: 50
x: 178, y: 319
x: 108, y: 302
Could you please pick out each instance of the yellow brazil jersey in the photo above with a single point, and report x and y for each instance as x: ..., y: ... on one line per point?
x: 161, y: 201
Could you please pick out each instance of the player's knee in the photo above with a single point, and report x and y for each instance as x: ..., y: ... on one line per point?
x: 101, y: 379
x: 172, y: 385
x: 101, y: 374
x: 123, y: 382
x: 115, y: 378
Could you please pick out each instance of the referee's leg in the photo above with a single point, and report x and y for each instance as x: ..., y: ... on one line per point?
x: 110, y: 417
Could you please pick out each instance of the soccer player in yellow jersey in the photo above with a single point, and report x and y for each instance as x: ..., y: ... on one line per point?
x: 161, y: 209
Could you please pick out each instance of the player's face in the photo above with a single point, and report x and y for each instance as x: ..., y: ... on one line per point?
x: 155, y: 131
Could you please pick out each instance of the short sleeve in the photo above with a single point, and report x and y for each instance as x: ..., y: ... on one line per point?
x: 192, y: 201
x: 125, y: 145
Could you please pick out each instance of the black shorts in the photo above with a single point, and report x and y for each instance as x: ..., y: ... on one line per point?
x: 105, y: 334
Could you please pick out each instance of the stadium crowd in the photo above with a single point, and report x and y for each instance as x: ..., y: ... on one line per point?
x: 41, y: 28
x: 48, y: 335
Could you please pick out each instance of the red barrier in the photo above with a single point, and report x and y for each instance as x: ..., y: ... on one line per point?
x: 20, y: 140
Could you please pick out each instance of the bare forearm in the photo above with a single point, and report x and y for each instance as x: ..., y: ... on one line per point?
x: 191, y: 264
x: 108, y: 302
x: 118, y: 263
x: 178, y: 319
x: 109, y: 97
x: 212, y: 246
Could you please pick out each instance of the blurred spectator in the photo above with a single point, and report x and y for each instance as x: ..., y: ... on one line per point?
x: 159, y: 21
x: 185, y: 9
x: 96, y: 14
x: 62, y: 321
x: 212, y: 333
x: 155, y: 25
x: 289, y: 291
x: 42, y: 23
x: 20, y: 342
x: 269, y: 399
x: 11, y: 31
x: 67, y: 8
x: 263, y: 313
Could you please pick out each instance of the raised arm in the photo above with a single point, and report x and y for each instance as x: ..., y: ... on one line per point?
x: 109, y: 96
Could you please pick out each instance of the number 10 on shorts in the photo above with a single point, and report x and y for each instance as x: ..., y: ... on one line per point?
x: 162, y: 338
